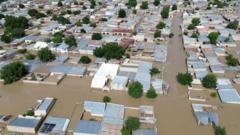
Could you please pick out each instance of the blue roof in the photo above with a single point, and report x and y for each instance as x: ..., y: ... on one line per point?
x: 143, y: 75
x: 144, y: 132
x: 24, y: 122
x: 89, y: 127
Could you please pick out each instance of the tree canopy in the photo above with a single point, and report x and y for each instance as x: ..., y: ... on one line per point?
x: 144, y: 5
x: 151, y: 93
x: 85, y: 60
x: 35, y: 13
x: 232, y: 61
x: 184, y: 78
x: 233, y: 25
x: 209, y: 81
x: 161, y: 25
x: 109, y: 51
x: 13, y: 72
x: 156, y: 2
x: 174, y: 7
x: 70, y: 40
x: 106, y: 99
x: 58, y: 37
x: 132, y: 123
x: 121, y: 13
x: 213, y: 36
x: 96, y: 36
x: 135, y: 90
x: 62, y: 20
x: 132, y: 3
x: 45, y: 55
x: 220, y: 130
x: 154, y: 71
x: 14, y: 28
x: 165, y: 12
x: 157, y: 33
x: 86, y: 20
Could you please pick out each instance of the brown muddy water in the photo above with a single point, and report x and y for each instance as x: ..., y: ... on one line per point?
x: 173, y: 112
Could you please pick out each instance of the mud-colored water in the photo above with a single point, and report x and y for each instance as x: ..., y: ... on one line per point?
x: 173, y: 112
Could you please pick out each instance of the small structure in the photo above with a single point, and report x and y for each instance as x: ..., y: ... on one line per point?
x: 24, y: 124
x: 54, y: 125
x: 104, y: 73
x: 85, y: 127
x: 44, y: 106
x: 119, y: 83
x: 144, y: 132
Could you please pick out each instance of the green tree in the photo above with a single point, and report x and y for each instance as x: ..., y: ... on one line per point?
x: 132, y: 3
x: 6, y: 38
x: 57, y: 37
x: 233, y: 25
x: 62, y: 20
x: 60, y: 4
x: 213, y: 36
x: 196, y: 21
x: 184, y: 78
x: 121, y: 13
x: 109, y: 51
x: 21, y: 6
x: 161, y: 25
x: 132, y: 123
x: 96, y: 36
x: 135, y: 90
x: 86, y: 20
x: 30, y: 56
x: 154, y: 71
x: 157, y: 33
x: 126, y: 131
x: 174, y: 7
x: 209, y: 81
x: 232, y: 61
x: 191, y: 27
x: 106, y: 99
x: 22, y: 51
x: 194, y: 35
x: 151, y: 93
x: 156, y: 2
x: 70, y: 40
x: 13, y: 72
x: 220, y: 130
x: 144, y: 5
x: 77, y: 12
x: 35, y: 13
x: 85, y: 60
x: 45, y: 55
x: 165, y: 12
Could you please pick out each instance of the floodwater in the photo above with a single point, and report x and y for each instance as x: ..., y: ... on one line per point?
x: 173, y: 112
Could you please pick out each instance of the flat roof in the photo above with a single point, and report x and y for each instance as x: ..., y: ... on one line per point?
x: 29, y: 122
x: 89, y: 127
x: 54, y: 125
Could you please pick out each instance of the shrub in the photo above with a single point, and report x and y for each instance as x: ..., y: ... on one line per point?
x: 213, y: 36
x: 30, y: 56
x: 174, y: 7
x: 157, y: 34
x: 233, y: 25
x: 184, y: 78
x: 213, y: 94
x: 135, y: 90
x: 151, y: 93
x: 209, y: 81
x: 220, y: 130
x: 160, y: 25
x: 106, y: 99
x: 22, y: 51
x: 85, y: 60
x: 144, y: 5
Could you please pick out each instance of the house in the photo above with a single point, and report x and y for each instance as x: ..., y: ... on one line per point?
x: 144, y: 132
x: 44, y: 106
x: 54, y: 125
x: 104, y: 73
x: 24, y: 124
x: 119, y: 83
x: 39, y: 45
x: 94, y: 108
x: 85, y: 127
x: 143, y: 75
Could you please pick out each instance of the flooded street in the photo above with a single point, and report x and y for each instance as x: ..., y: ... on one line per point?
x: 173, y: 112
